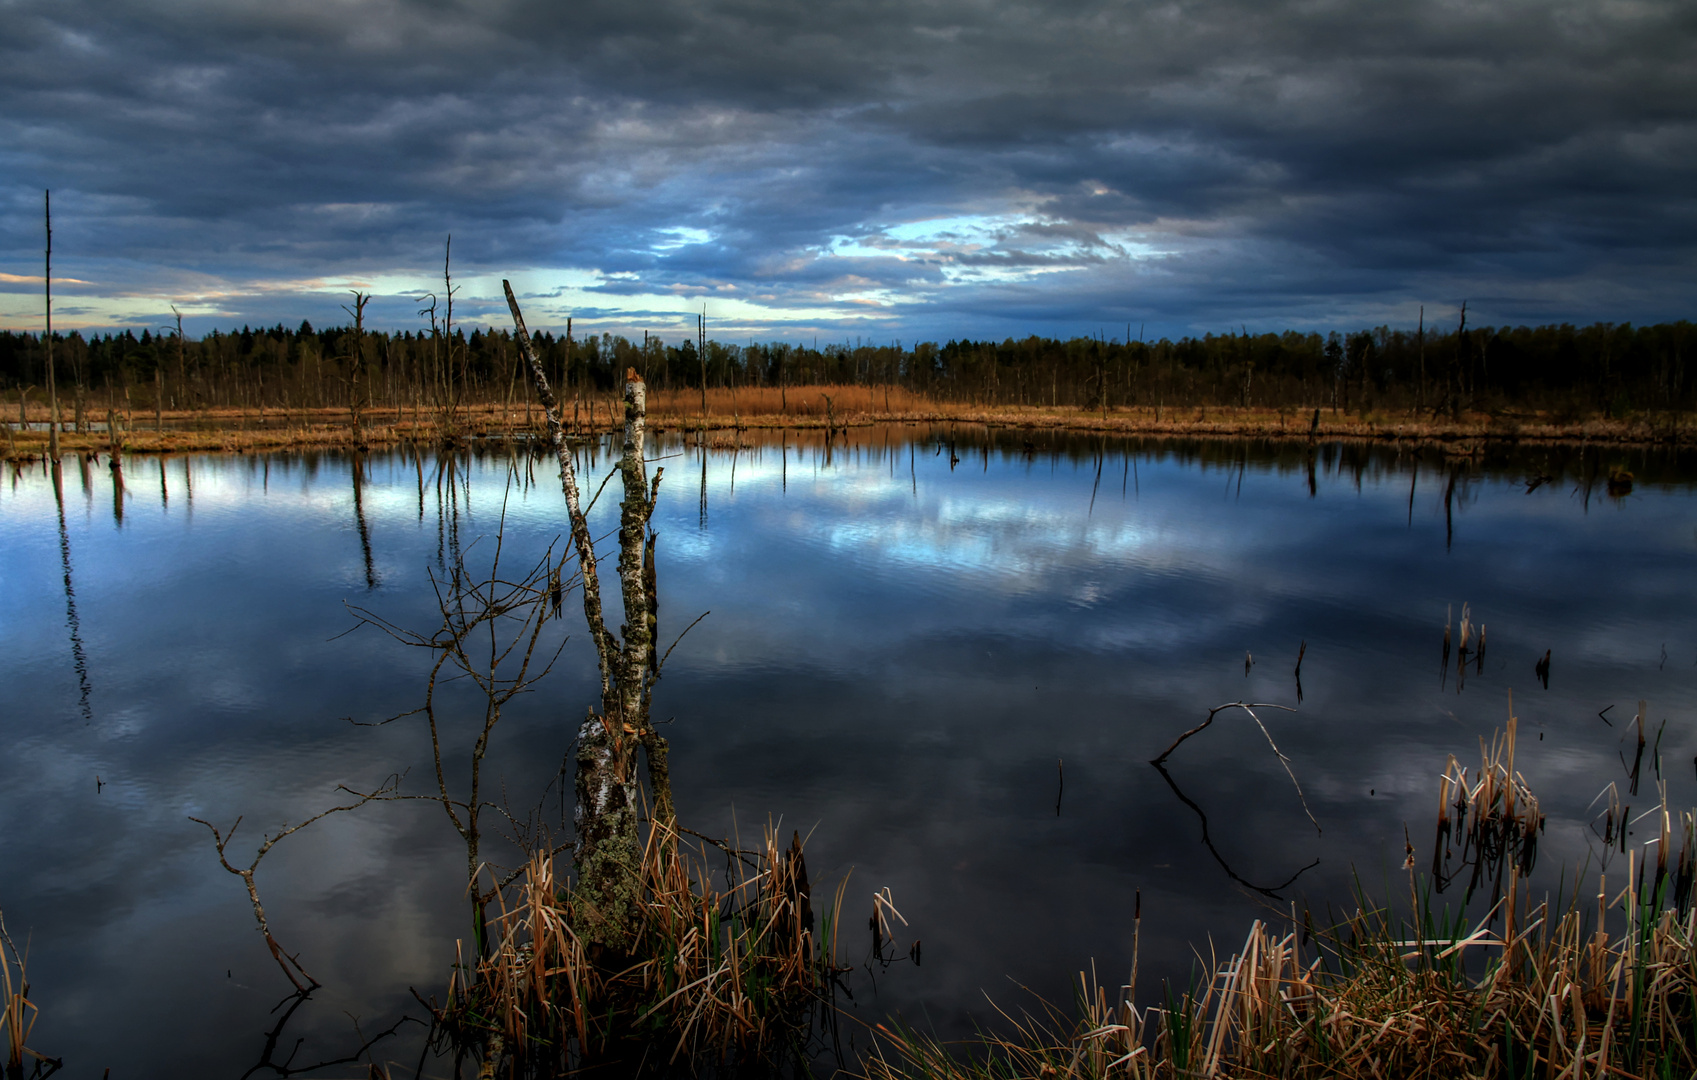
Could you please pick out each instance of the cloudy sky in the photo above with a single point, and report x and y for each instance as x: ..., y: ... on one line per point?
x: 893, y: 170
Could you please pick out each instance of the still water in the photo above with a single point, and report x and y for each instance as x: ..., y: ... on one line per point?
x: 945, y: 656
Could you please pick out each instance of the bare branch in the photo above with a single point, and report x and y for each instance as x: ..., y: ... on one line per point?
x: 290, y: 964
x: 679, y: 638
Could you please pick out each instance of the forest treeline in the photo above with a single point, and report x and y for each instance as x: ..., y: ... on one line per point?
x: 1570, y: 372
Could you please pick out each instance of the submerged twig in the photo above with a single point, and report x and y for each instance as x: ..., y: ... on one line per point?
x: 221, y: 841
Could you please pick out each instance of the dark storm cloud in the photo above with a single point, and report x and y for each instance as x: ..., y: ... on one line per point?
x: 1192, y: 165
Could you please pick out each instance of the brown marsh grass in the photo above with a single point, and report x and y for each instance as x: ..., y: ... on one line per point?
x: 231, y: 430
x: 816, y: 403
x: 1603, y: 984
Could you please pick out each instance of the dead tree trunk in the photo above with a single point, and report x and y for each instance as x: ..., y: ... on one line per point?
x: 607, y: 788
x: 47, y: 338
x: 356, y: 361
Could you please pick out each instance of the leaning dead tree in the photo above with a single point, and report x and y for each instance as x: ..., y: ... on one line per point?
x: 608, y: 790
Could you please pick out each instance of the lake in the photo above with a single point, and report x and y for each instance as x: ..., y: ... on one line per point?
x: 944, y: 655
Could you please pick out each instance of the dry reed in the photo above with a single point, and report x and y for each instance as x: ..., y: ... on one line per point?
x: 18, y: 1013
x: 714, y: 975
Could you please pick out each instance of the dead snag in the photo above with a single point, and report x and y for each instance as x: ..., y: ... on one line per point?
x: 608, y: 797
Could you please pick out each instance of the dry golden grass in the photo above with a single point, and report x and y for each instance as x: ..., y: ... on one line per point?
x: 816, y: 403
x: 715, y: 974
x: 17, y: 1013
x: 239, y: 431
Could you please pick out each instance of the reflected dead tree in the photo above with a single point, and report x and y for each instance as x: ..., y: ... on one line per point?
x: 358, y: 468
x: 79, y: 658
x: 1208, y: 842
x: 1444, y: 664
x: 1413, y: 480
x: 1248, y: 707
x: 268, y: 1062
x: 117, y: 468
x: 1096, y: 483
x: 1449, y: 504
x: 490, y: 632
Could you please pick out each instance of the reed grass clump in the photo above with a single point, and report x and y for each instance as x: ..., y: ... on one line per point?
x: 1603, y: 984
x: 1379, y: 996
x: 726, y: 967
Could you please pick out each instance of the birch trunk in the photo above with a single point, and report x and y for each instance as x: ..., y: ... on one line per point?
x: 608, y: 794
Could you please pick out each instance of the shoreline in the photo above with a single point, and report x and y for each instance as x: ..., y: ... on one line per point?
x: 235, y: 431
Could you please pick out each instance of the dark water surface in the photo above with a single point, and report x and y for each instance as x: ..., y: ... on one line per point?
x: 914, y: 636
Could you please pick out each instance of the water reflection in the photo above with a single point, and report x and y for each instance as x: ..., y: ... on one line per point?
x: 897, y: 663
x: 116, y: 467
x: 356, y: 466
x: 1273, y: 892
x: 79, y: 658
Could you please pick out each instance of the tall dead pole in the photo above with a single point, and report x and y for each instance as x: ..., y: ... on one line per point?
x: 47, y: 284
x: 182, y: 356
x: 356, y: 358
x: 1461, y: 352
x: 1420, y: 397
x: 448, y: 324
x: 701, y: 353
